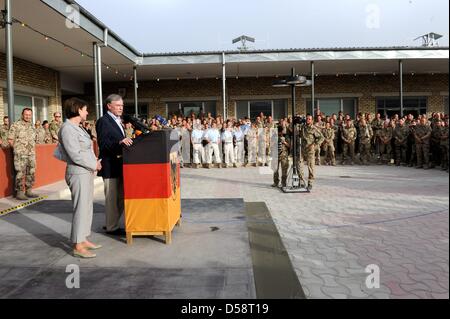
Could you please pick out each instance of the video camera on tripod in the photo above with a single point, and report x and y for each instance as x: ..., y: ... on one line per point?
x: 299, y: 120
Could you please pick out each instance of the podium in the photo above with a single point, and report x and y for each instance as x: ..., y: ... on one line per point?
x: 151, y: 176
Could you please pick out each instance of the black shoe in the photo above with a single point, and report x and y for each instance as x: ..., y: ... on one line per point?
x: 117, y: 232
x: 309, y: 188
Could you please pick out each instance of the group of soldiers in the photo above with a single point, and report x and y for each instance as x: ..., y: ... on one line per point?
x: 22, y: 136
x: 206, y: 141
x: 408, y: 141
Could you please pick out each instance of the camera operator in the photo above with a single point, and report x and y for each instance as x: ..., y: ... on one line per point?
x: 310, y: 137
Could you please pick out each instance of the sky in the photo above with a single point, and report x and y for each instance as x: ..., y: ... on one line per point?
x: 156, y: 26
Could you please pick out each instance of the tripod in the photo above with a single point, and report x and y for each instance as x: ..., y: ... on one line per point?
x: 296, y: 182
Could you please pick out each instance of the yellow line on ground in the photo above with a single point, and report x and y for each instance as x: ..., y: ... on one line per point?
x: 21, y: 206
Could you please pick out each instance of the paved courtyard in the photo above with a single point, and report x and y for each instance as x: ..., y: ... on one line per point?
x: 393, y: 218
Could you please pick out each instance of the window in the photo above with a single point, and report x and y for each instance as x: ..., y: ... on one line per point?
x: 388, y: 106
x: 330, y: 106
x: 348, y: 107
x: 275, y: 108
x: 39, y: 109
x: 186, y: 108
x: 173, y: 109
x: 21, y: 101
x: 210, y: 107
x: 279, y: 109
x: 142, y: 110
x: 258, y: 107
x: 241, y: 109
x: 333, y: 105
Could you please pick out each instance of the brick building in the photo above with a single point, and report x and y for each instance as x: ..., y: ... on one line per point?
x: 49, y: 69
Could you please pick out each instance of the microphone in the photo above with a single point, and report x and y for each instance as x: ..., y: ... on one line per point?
x: 136, y: 123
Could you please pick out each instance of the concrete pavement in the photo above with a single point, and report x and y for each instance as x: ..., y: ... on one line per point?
x: 391, y: 218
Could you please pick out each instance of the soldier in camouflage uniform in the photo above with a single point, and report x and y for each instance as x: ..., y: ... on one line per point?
x: 271, y: 129
x: 385, y: 143
x: 48, y: 135
x: 22, y: 137
x: 444, y: 146
x: 422, y: 135
x: 412, y: 144
x: 435, y: 141
x: 321, y: 126
x: 40, y: 132
x: 252, y: 138
x: 128, y: 130
x: 284, y: 145
x: 365, y: 138
x: 4, y: 130
x: 357, y: 140
x: 401, y: 133
x: 329, y: 139
x: 55, y: 125
x: 348, y: 136
x: 310, y: 137
x: 377, y: 125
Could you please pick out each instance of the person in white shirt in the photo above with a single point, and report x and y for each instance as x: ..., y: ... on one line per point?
x: 227, y: 138
x: 213, y: 137
x: 239, y: 148
x: 198, y: 153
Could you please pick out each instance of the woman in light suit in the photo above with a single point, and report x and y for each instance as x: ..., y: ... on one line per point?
x: 82, y: 166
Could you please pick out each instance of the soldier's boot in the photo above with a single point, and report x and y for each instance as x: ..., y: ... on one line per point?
x: 309, y: 188
x: 30, y: 194
x: 21, y: 196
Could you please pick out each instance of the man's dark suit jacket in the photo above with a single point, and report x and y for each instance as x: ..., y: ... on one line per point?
x: 108, y: 137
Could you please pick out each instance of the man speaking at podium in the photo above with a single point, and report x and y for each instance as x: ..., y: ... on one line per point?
x: 111, y: 139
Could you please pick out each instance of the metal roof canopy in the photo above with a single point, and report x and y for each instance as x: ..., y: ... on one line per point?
x: 33, y: 47
x: 272, y: 63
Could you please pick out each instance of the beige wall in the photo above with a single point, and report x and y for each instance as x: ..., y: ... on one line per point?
x: 365, y: 88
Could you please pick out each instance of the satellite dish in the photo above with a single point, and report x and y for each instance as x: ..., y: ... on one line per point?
x: 243, y: 39
x: 429, y: 39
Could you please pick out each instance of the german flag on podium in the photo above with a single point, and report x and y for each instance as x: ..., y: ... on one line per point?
x: 151, y: 175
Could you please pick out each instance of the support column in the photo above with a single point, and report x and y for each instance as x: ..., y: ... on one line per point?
x: 224, y: 96
x: 99, y: 78
x: 136, y: 108
x: 312, y: 87
x: 9, y: 61
x: 97, y: 104
x: 400, y: 74
x: 294, y: 135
